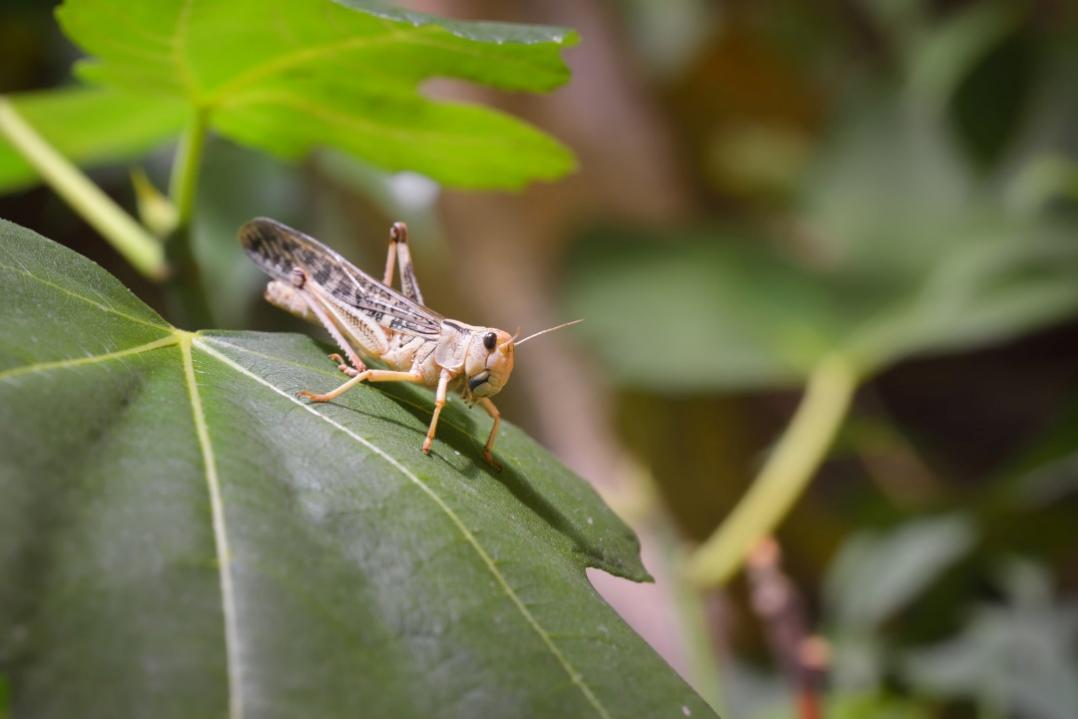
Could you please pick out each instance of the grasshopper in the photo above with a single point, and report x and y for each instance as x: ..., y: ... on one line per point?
x: 369, y: 319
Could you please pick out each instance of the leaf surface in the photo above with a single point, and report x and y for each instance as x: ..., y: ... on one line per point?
x: 183, y: 536
x: 291, y: 76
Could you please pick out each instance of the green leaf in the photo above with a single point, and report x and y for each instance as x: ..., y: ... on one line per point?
x: 856, y: 705
x: 696, y: 309
x: 90, y: 126
x: 295, y: 75
x: 882, y: 266
x: 1012, y: 659
x: 183, y: 536
x: 875, y: 575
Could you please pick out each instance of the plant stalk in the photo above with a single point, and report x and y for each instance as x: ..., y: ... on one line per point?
x: 121, y: 230
x: 183, y: 185
x: 785, y: 475
x: 184, y: 292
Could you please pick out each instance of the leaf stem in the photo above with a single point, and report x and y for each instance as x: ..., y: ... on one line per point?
x: 183, y: 185
x: 786, y: 473
x: 118, y: 227
x: 185, y: 294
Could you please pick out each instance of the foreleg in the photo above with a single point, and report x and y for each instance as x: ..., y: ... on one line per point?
x: 439, y: 402
x: 488, y: 453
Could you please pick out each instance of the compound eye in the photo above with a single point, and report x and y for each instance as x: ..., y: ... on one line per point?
x: 490, y: 340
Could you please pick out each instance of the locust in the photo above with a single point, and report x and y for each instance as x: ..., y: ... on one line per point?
x: 371, y: 321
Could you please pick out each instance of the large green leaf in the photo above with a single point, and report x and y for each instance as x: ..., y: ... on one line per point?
x: 293, y: 75
x: 185, y: 537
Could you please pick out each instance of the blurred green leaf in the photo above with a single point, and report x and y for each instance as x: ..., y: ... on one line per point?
x: 184, y: 537
x: 696, y: 310
x: 91, y: 126
x: 842, y: 705
x: 1014, y: 660
x: 238, y: 184
x: 874, y: 576
x: 874, y: 706
x: 294, y: 75
x: 898, y: 250
x: 945, y: 51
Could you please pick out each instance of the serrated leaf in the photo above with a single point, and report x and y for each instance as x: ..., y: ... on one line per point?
x: 90, y: 126
x: 291, y: 76
x: 185, y: 537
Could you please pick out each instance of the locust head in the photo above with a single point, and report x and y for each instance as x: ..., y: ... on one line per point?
x: 489, y: 362
x: 489, y: 359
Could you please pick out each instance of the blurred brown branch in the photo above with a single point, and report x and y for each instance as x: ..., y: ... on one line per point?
x: 777, y: 601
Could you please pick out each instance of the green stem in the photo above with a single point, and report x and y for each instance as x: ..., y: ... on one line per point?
x: 785, y: 475
x: 121, y: 230
x: 183, y: 185
x: 184, y: 293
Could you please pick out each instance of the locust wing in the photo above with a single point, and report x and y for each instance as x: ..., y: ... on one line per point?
x: 278, y: 250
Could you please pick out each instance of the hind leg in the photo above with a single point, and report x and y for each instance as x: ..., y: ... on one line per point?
x: 399, y: 251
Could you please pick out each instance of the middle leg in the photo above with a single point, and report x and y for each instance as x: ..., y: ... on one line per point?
x: 370, y: 375
x: 488, y: 453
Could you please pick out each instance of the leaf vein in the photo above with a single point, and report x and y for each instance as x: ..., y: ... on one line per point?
x: 220, y: 533
x: 92, y: 359
x: 354, y: 122
x: 179, y: 50
x: 292, y: 60
x: 98, y: 305
x: 336, y: 374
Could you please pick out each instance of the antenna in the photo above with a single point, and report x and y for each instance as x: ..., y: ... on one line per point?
x: 549, y: 329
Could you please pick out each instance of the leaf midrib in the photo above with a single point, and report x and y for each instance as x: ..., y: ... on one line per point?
x: 307, y: 106
x: 176, y: 48
x: 90, y: 359
x: 220, y: 531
